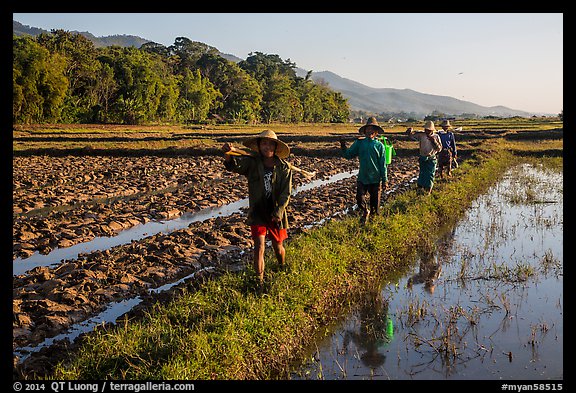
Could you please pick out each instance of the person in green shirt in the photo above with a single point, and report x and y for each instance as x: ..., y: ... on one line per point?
x: 269, y: 189
x: 373, y: 172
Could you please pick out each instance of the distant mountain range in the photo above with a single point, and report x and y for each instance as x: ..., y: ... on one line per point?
x: 360, y: 97
x: 121, y: 40
x: 370, y: 99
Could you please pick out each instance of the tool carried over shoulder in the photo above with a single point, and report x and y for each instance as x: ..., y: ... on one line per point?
x: 235, y: 151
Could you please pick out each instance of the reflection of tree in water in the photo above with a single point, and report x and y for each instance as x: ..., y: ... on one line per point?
x: 428, y: 272
x: 375, y: 332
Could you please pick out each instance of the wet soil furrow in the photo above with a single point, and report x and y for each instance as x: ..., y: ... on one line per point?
x: 48, y: 300
x: 204, y: 184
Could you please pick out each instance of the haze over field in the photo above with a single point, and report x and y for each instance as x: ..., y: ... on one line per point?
x: 509, y: 59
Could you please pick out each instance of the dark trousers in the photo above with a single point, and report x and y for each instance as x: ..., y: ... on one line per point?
x: 445, y: 160
x: 374, y: 191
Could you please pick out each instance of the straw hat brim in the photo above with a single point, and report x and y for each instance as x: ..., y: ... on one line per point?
x: 363, y: 128
x: 282, y: 149
x: 430, y: 127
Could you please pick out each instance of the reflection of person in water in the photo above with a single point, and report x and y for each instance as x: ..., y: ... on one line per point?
x: 428, y: 272
x: 446, y: 245
x: 376, y: 330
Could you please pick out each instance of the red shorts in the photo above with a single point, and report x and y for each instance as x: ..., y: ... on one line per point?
x: 273, y: 232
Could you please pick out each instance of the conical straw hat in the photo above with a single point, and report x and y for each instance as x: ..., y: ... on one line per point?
x: 282, y: 149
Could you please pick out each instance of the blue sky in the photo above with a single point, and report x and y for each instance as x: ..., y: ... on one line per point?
x: 509, y: 59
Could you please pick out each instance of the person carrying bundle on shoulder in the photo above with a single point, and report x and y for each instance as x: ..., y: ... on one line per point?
x: 448, y: 153
x: 373, y: 172
x: 429, y: 146
x: 269, y: 189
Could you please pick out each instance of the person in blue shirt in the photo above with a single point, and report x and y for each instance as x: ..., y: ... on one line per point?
x: 373, y: 173
x: 448, y: 153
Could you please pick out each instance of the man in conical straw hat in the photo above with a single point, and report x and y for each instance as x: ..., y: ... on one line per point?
x: 448, y: 155
x: 269, y: 188
x: 373, y: 172
x: 429, y: 146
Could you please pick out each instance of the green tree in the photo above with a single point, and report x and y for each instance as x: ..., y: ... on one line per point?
x: 336, y: 107
x: 240, y: 93
x: 318, y: 102
x: 277, y: 78
x: 188, y: 53
x: 197, y: 97
x: 146, y: 90
x: 39, y: 82
x: 61, y: 76
x: 281, y: 101
x: 264, y: 67
x: 153, y: 47
x: 105, y: 90
x: 82, y: 71
x: 311, y: 98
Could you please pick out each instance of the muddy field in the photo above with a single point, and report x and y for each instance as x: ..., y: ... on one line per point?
x: 62, y: 200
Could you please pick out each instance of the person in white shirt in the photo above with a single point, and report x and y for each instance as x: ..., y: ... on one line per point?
x: 430, y: 146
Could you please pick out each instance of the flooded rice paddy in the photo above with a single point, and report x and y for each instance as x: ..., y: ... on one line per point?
x: 116, y: 309
x: 112, y: 310
x: 485, y: 304
x: 138, y: 232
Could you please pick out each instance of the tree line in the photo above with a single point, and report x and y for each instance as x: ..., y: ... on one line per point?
x: 61, y: 77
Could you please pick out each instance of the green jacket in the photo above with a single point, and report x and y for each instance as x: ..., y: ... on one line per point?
x: 253, y: 169
x: 372, y: 156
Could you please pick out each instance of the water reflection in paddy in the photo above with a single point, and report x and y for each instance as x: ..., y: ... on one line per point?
x: 486, y: 304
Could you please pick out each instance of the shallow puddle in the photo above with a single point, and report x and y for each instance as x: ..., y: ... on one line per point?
x: 486, y: 305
